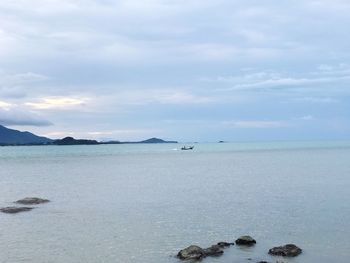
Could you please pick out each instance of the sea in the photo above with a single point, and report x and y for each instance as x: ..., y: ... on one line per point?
x: 136, y: 203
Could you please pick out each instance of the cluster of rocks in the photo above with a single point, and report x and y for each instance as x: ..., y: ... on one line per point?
x: 24, y: 201
x: 194, y: 252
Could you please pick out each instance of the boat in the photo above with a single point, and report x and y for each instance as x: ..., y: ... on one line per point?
x: 184, y: 148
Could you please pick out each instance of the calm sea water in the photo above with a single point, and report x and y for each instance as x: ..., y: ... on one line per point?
x: 142, y: 203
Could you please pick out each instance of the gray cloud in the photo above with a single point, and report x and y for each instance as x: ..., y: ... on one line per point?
x: 17, y: 85
x: 21, y: 118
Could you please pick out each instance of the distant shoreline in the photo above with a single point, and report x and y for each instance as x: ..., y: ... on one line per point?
x: 11, y: 137
x: 72, y: 141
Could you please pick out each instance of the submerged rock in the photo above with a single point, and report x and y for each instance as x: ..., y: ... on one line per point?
x: 15, y: 210
x: 196, y: 252
x: 214, y: 250
x: 225, y: 244
x: 245, y: 240
x: 32, y: 201
x: 289, y: 250
x: 191, y: 252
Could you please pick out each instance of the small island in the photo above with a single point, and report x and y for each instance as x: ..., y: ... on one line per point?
x: 72, y: 141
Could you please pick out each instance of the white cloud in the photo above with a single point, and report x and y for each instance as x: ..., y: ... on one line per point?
x: 57, y: 103
x: 5, y: 106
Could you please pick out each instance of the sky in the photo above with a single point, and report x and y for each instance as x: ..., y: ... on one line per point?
x: 194, y: 70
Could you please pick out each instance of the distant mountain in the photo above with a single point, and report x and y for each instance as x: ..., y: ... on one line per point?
x: 72, y: 141
x: 156, y: 140
x: 14, y: 137
x: 151, y: 140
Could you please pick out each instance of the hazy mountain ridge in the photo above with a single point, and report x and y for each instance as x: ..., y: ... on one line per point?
x: 15, y: 137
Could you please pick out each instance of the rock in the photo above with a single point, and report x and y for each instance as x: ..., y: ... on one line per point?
x: 196, y: 252
x: 224, y: 244
x: 214, y: 250
x: 15, y: 210
x: 32, y: 201
x: 289, y: 250
x: 191, y: 252
x: 245, y: 240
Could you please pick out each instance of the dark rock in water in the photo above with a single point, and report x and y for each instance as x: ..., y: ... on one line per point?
x: 196, y: 252
x: 263, y: 262
x: 191, y: 252
x: 289, y: 250
x: 214, y: 250
x: 14, y: 209
x: 245, y: 240
x: 32, y: 201
x: 224, y: 244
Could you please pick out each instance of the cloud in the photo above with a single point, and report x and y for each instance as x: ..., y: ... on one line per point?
x: 17, y: 85
x: 161, y: 96
x: 328, y: 84
x: 5, y: 105
x: 57, y: 103
x: 21, y: 78
x: 12, y: 92
x: 126, y: 62
x: 316, y: 100
x: 118, y: 134
x: 255, y: 124
x: 178, y: 97
x: 307, y: 118
x: 281, y: 82
x: 152, y: 31
x: 20, y: 117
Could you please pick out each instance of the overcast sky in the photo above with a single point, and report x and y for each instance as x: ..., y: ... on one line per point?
x: 194, y: 70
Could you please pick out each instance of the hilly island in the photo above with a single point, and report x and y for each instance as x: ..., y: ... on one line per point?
x: 11, y: 137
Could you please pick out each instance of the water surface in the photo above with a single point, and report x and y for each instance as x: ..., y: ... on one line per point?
x: 142, y: 203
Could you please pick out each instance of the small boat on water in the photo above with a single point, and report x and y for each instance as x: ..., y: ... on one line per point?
x: 184, y: 148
